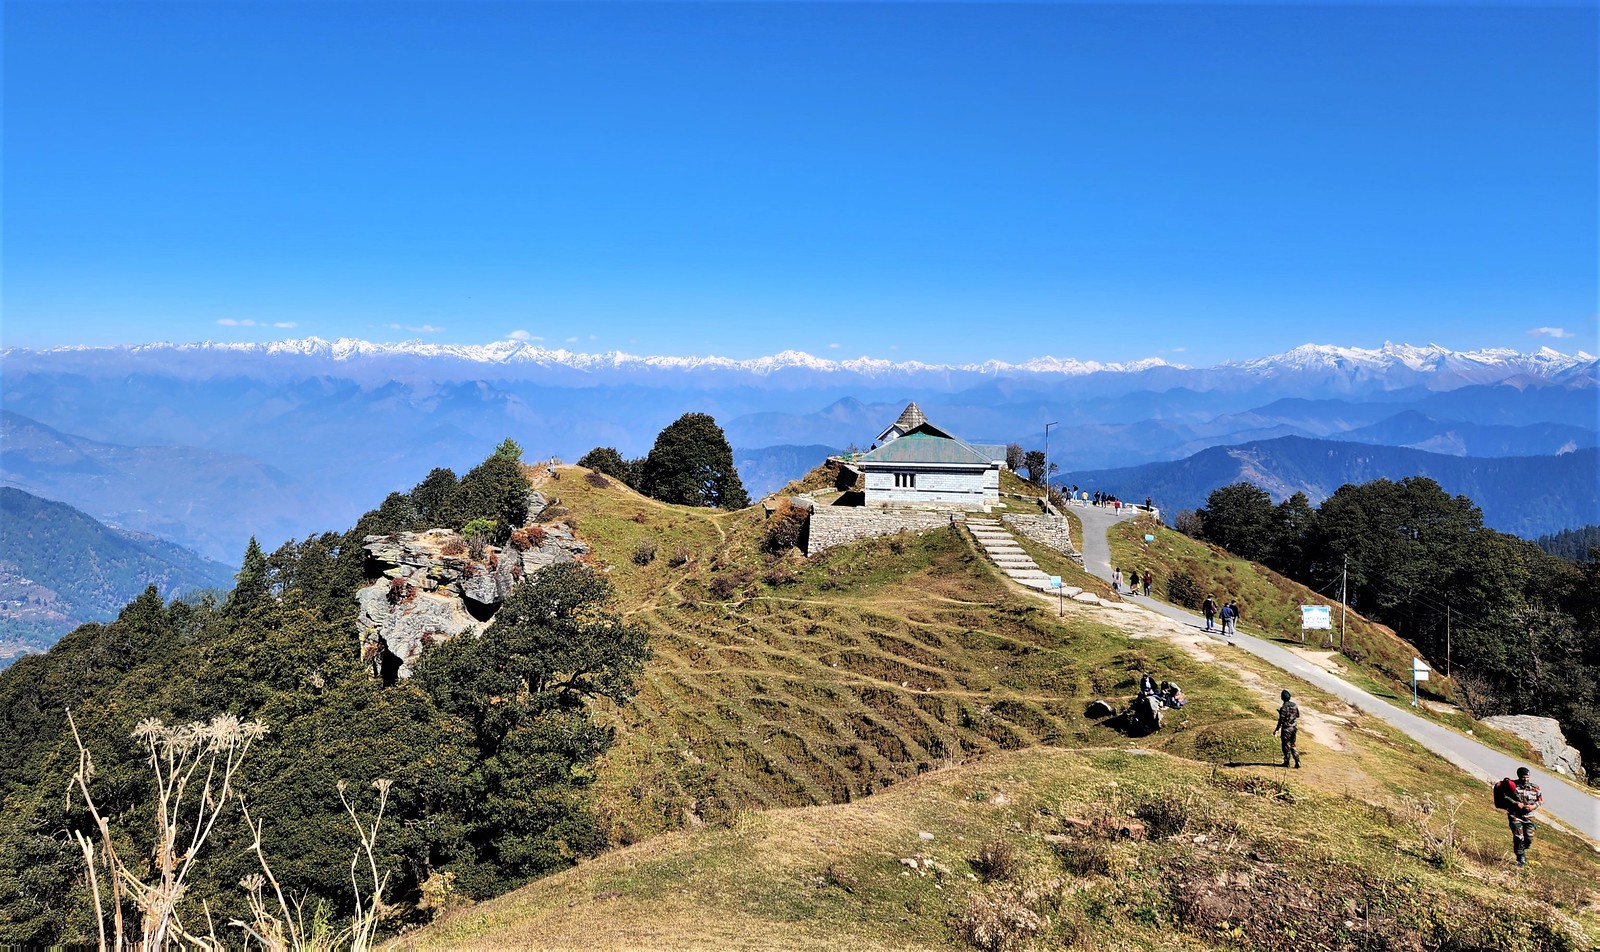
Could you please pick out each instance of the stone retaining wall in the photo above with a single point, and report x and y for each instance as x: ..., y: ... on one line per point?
x: 1053, y: 531
x: 837, y: 525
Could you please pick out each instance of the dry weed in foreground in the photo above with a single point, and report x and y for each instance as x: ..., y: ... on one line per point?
x: 194, y: 766
x: 177, y: 755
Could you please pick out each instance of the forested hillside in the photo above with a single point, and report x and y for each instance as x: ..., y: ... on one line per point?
x: 1513, y: 625
x: 60, y: 568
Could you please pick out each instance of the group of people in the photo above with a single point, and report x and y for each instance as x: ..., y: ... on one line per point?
x: 1167, y: 692
x: 1133, y: 581
x: 1228, y: 614
x: 1105, y: 499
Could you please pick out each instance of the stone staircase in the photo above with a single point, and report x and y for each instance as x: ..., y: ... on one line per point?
x: 1002, y: 549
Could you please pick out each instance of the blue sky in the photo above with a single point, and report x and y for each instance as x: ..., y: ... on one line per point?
x: 942, y: 182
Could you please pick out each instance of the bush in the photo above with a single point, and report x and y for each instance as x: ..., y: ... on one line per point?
x: 999, y: 920
x: 997, y: 860
x: 780, y: 574
x: 645, y: 552
x: 785, y: 526
x: 454, y: 546
x: 1087, y: 857
x: 1184, y: 591
x: 680, y: 557
x: 1165, y: 814
x: 726, y: 585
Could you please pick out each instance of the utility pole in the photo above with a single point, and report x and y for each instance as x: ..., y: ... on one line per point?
x: 1447, y: 639
x: 1047, y: 427
x: 1344, y: 585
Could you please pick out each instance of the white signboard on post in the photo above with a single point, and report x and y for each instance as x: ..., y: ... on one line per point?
x: 1419, y: 669
x: 1316, y: 617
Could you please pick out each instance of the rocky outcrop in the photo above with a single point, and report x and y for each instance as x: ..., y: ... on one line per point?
x: 428, y: 587
x: 1545, y: 736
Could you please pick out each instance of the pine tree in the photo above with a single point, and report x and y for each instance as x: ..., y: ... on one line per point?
x: 252, y: 587
x: 691, y: 464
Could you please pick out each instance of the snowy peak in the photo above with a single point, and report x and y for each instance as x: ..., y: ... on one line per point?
x: 1392, y: 365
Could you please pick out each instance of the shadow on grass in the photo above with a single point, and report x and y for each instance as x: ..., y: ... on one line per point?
x: 1251, y: 763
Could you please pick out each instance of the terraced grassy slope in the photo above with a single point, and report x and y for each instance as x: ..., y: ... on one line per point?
x: 782, y: 692
x: 818, y: 682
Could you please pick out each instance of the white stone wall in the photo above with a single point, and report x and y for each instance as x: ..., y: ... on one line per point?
x: 968, y: 488
x: 831, y: 526
x: 1051, y: 530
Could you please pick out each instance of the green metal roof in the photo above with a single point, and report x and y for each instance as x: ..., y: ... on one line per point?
x: 926, y: 448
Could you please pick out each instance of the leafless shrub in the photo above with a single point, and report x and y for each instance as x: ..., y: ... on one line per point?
x: 454, y: 546
x: 1435, y: 826
x: 1165, y: 814
x: 780, y: 574
x: 680, y: 557
x: 645, y: 552
x: 997, y: 860
x: 1000, y: 919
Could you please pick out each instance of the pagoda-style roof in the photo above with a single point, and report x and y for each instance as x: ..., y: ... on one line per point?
x: 921, y: 446
x: 910, y: 418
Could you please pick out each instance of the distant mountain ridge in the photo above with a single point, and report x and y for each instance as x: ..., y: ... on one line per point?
x: 60, y: 568
x: 209, y: 501
x: 1527, y: 496
x: 214, y: 442
x: 1479, y: 366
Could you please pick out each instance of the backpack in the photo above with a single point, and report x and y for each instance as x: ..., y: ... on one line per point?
x: 1505, y: 794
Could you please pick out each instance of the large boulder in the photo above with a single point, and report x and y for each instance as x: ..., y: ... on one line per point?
x: 1545, y: 736
x: 426, y: 587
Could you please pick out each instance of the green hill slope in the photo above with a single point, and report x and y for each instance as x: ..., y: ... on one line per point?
x: 60, y: 568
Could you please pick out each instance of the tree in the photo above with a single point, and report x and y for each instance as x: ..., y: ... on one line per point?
x: 495, y: 489
x: 251, y: 587
x: 606, y: 459
x: 431, y: 496
x: 691, y: 464
x: 1014, y: 456
x: 1033, y: 461
x: 1294, y: 526
x: 523, y: 687
x: 1238, y: 517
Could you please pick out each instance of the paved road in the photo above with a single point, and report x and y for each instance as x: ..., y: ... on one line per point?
x: 1574, y: 807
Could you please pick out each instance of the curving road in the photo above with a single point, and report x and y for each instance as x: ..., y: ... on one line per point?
x: 1575, y: 807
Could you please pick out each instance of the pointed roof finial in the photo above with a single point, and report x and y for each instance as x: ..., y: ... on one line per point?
x: 910, y: 418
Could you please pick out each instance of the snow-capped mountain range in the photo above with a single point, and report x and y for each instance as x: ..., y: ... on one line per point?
x: 137, y: 434
x: 517, y: 357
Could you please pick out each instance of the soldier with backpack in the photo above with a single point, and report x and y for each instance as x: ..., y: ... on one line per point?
x: 1289, y: 728
x: 1519, y: 798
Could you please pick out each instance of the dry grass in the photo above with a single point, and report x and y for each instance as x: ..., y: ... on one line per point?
x: 920, y: 678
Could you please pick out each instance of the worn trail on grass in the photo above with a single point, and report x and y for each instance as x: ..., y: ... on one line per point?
x: 1574, y: 807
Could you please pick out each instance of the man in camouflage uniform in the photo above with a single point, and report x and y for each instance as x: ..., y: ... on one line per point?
x: 1289, y: 727
x: 1525, y: 799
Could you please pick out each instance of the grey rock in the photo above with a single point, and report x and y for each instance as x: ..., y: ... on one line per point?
x: 1545, y: 736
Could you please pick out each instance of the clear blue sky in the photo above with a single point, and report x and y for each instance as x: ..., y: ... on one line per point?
x: 941, y: 182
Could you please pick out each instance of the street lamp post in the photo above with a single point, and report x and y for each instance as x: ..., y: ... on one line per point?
x: 1047, y: 427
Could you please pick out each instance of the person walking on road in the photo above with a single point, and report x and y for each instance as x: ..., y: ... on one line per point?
x: 1148, y: 579
x: 1209, y: 606
x: 1289, y: 728
x: 1227, y: 619
x: 1116, y: 580
x: 1525, y: 799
